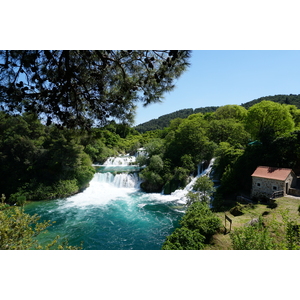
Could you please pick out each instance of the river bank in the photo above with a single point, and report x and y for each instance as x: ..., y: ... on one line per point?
x: 222, y: 241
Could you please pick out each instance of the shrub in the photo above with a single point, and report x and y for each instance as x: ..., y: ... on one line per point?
x: 197, y: 226
x: 255, y: 237
x: 199, y: 217
x: 18, y: 231
x: 184, y: 239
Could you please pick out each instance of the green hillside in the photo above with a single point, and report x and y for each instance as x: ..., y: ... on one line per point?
x: 164, y: 120
x: 282, y: 99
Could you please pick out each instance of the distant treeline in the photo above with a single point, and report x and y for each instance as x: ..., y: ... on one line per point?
x: 164, y: 121
x: 282, y: 99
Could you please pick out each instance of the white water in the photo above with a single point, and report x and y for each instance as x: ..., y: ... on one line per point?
x: 120, y: 161
x: 180, y: 195
x: 113, y: 213
x: 122, y: 180
x: 113, y: 187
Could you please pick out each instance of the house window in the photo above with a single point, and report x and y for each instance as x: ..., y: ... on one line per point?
x: 274, y: 188
x: 258, y: 184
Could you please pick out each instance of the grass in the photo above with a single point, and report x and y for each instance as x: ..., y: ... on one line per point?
x: 222, y: 241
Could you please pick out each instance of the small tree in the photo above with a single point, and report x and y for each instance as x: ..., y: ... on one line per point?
x: 18, y: 231
x: 205, y: 188
x: 184, y: 239
x: 21, y: 201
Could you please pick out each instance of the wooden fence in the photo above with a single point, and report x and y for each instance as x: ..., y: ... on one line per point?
x: 277, y: 194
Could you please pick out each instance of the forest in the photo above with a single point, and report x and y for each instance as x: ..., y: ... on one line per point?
x: 47, y: 162
x: 61, y: 111
x: 41, y: 161
x: 164, y: 121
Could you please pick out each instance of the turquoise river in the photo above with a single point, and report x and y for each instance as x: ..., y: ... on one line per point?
x: 113, y: 213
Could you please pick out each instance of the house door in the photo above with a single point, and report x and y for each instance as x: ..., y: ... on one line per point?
x: 286, y: 187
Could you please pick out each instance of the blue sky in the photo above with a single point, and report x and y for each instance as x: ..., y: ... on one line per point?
x: 220, y: 77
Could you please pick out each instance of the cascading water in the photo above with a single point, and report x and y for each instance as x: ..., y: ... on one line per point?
x: 122, y: 180
x: 120, y: 161
x: 113, y: 213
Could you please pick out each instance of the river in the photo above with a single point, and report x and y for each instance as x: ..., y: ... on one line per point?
x: 113, y: 213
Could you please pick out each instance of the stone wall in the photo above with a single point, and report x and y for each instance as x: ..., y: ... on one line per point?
x: 294, y: 192
x: 266, y: 187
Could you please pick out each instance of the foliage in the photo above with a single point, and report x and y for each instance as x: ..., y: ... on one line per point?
x: 283, y: 235
x: 236, y: 112
x: 184, y: 239
x: 155, y: 146
x: 282, y: 99
x: 165, y: 120
x: 191, y: 138
x: 228, y: 130
x: 74, y: 87
x: 267, y: 119
x: 255, y: 237
x: 227, y: 111
x: 151, y: 175
x: 204, y: 187
x: 198, y: 224
x: 18, y: 231
x: 200, y: 217
x: 39, y: 162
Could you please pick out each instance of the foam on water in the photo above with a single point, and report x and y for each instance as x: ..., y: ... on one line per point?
x: 125, y: 160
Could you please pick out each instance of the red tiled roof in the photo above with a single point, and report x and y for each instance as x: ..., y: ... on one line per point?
x: 272, y: 173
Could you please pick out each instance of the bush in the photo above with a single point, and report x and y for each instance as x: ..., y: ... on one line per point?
x: 199, y: 217
x: 184, y: 239
x: 255, y: 237
x: 197, y: 226
x: 18, y: 231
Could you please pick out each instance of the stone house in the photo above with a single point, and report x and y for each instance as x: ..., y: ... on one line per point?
x: 267, y: 180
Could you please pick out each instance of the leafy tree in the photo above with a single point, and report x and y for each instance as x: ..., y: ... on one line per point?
x: 156, y: 163
x: 200, y: 217
x: 228, y: 130
x: 197, y: 226
x: 153, y: 182
x: 18, y: 231
x: 155, y: 146
x: 73, y: 88
x: 236, y: 112
x: 191, y: 138
x: 267, y: 119
x: 205, y: 186
x: 187, y: 162
x: 295, y: 113
x: 40, y: 162
x: 184, y: 239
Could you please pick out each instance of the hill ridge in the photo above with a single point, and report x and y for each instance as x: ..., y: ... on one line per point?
x: 164, y: 120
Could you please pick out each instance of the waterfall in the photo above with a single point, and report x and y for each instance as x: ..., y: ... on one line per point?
x: 201, y: 172
x: 125, y: 160
x: 122, y: 180
x: 180, y: 195
x: 113, y: 213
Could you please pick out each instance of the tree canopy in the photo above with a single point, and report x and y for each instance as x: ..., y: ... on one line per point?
x: 77, y: 88
x: 268, y: 118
